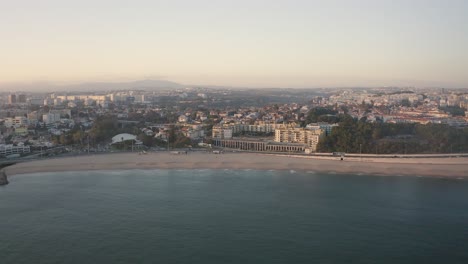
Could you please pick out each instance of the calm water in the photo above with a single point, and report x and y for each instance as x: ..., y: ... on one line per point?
x: 210, y: 216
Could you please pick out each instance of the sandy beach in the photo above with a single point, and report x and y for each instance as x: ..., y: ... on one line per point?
x: 435, y: 167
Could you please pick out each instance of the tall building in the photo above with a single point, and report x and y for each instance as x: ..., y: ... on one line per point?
x: 309, y: 137
x: 12, y: 99
x: 21, y: 98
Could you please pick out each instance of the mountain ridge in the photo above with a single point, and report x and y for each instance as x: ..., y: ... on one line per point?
x: 91, y: 86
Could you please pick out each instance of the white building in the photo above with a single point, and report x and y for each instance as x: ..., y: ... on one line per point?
x: 195, y: 133
x: 6, y: 150
x: 17, y: 121
x: 327, y: 128
x: 122, y: 138
x: 221, y: 132
x: 51, y: 118
x: 148, y: 132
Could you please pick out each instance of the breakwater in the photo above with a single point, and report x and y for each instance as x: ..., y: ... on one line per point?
x: 3, y: 177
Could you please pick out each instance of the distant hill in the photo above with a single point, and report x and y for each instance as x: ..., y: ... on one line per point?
x: 148, y: 85
x: 140, y: 85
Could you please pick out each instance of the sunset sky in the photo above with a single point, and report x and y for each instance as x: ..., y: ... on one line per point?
x: 256, y: 43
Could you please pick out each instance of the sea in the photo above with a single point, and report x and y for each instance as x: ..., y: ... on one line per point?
x: 232, y: 216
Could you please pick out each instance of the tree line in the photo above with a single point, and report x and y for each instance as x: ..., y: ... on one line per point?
x: 359, y: 136
x: 106, y: 127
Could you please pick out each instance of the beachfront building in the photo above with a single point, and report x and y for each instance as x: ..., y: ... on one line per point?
x: 255, y: 128
x: 123, y: 137
x: 126, y: 140
x: 258, y: 127
x: 10, y: 149
x: 309, y: 137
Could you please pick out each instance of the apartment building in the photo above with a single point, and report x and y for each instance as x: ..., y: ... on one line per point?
x: 220, y: 132
x: 17, y: 121
x: 309, y: 137
x: 9, y: 149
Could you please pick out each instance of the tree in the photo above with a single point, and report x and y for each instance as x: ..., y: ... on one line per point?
x: 78, y: 137
x: 393, y: 138
x: 314, y: 114
x: 147, y: 140
x: 454, y: 110
x: 65, y: 139
x: 104, y: 128
x: 172, y: 137
x: 182, y: 141
x: 405, y: 102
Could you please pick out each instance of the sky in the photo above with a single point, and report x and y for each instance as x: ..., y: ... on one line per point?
x: 251, y: 43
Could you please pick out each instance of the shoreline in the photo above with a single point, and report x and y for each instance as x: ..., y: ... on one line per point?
x: 430, y: 167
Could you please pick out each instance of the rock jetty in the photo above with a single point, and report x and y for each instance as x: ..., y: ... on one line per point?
x: 3, y: 177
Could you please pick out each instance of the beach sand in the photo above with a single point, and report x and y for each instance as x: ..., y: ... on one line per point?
x: 436, y: 167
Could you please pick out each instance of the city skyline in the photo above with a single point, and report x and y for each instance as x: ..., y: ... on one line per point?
x: 298, y: 44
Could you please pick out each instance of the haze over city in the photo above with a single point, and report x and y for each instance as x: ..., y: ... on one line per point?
x: 301, y: 44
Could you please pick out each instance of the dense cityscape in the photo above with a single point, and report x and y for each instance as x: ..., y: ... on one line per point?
x: 385, y: 120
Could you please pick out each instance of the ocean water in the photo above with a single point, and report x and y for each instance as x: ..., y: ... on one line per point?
x: 225, y: 216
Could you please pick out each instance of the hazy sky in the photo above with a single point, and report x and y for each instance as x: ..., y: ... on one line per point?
x: 254, y: 43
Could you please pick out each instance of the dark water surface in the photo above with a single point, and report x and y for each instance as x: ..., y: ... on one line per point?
x: 216, y: 216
